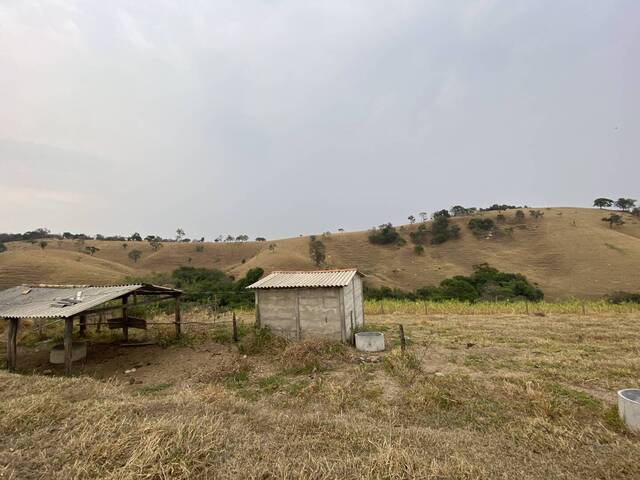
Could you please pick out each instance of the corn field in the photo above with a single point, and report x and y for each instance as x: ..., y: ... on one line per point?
x: 455, y: 307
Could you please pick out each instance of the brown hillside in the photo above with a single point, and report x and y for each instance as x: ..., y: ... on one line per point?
x: 569, y: 252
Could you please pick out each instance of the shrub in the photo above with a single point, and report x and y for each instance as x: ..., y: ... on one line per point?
x: 500, y: 218
x: 317, y: 250
x: 385, y: 234
x: 418, y: 249
x: 635, y: 212
x: 485, y: 282
x: 520, y: 216
x: 458, y: 288
x: 481, y: 225
x: 3, y: 247
x: 623, y: 297
x: 135, y: 255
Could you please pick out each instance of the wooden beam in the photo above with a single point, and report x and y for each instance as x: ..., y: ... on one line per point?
x: 12, y: 335
x: 178, y: 319
x: 118, y: 307
x: 132, y: 322
x: 83, y: 324
x: 68, y: 344
x: 125, y: 319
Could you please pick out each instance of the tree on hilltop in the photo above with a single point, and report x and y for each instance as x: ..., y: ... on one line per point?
x: 625, y: 204
x: 602, y: 203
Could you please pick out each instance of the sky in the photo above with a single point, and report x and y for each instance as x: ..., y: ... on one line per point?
x: 277, y: 118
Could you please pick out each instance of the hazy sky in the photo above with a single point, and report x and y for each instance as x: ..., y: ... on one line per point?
x: 277, y: 118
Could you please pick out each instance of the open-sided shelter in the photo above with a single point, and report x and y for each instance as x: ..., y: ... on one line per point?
x: 298, y: 304
x: 76, y: 302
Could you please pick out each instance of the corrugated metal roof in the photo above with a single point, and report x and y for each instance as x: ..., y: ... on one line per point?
x: 63, y: 301
x: 306, y: 279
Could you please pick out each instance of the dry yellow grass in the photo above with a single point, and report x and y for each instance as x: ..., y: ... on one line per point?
x: 570, y: 253
x: 500, y: 396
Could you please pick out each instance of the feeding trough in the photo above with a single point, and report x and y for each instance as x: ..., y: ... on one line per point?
x: 629, y: 408
x: 78, y: 352
x: 370, y: 341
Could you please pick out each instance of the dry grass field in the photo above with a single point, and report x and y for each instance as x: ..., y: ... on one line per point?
x: 474, y: 396
x: 569, y: 252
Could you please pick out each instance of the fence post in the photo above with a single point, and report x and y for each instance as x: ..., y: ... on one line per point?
x: 403, y: 341
x: 234, y: 326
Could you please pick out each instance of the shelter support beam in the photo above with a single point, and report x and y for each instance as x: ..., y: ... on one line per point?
x: 68, y: 345
x: 12, y: 335
x: 125, y: 319
x: 83, y: 325
x: 178, y: 319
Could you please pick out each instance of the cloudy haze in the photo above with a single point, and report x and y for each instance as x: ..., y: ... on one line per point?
x: 277, y: 118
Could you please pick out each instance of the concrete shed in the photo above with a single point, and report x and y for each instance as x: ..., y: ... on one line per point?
x: 303, y: 304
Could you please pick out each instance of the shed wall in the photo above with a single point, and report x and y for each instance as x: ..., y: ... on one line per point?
x: 314, y: 311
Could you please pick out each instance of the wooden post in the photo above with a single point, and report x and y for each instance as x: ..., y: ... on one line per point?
x: 68, y: 344
x: 178, y: 320
x: 403, y: 341
x: 234, y: 326
x: 83, y: 325
x: 353, y: 330
x: 12, y: 335
x: 125, y: 319
x: 99, y: 326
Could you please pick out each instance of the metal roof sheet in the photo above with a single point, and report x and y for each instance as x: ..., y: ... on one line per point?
x: 306, y: 279
x: 63, y: 301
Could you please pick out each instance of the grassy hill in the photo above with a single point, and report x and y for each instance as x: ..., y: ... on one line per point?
x: 569, y: 252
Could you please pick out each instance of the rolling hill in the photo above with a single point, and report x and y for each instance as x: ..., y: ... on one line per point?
x: 569, y: 252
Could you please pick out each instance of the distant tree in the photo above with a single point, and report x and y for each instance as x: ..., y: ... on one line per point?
x: 219, y: 238
x: 155, y: 244
x: 43, y: 244
x: 242, y: 238
x: 537, y: 214
x: 67, y: 235
x: 261, y: 239
x: 441, y: 214
x: 481, y: 225
x: 411, y: 219
x: 99, y: 236
x: 602, y: 202
x: 317, y: 250
x: 385, y: 234
x: 136, y: 237
x: 135, y: 255
x: 459, y: 210
x: 519, y: 216
x: 91, y: 250
x: 229, y: 238
x: 614, y: 220
x: 124, y: 246
x: 423, y: 216
x: 179, y: 234
x: 635, y: 212
x: 201, y: 239
x: 418, y: 249
x: 3, y: 247
x: 625, y: 204
x: 341, y: 230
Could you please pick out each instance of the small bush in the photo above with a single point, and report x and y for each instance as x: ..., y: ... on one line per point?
x: 3, y: 247
x: 623, y: 297
x: 418, y: 249
x: 481, y: 225
x: 385, y: 234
